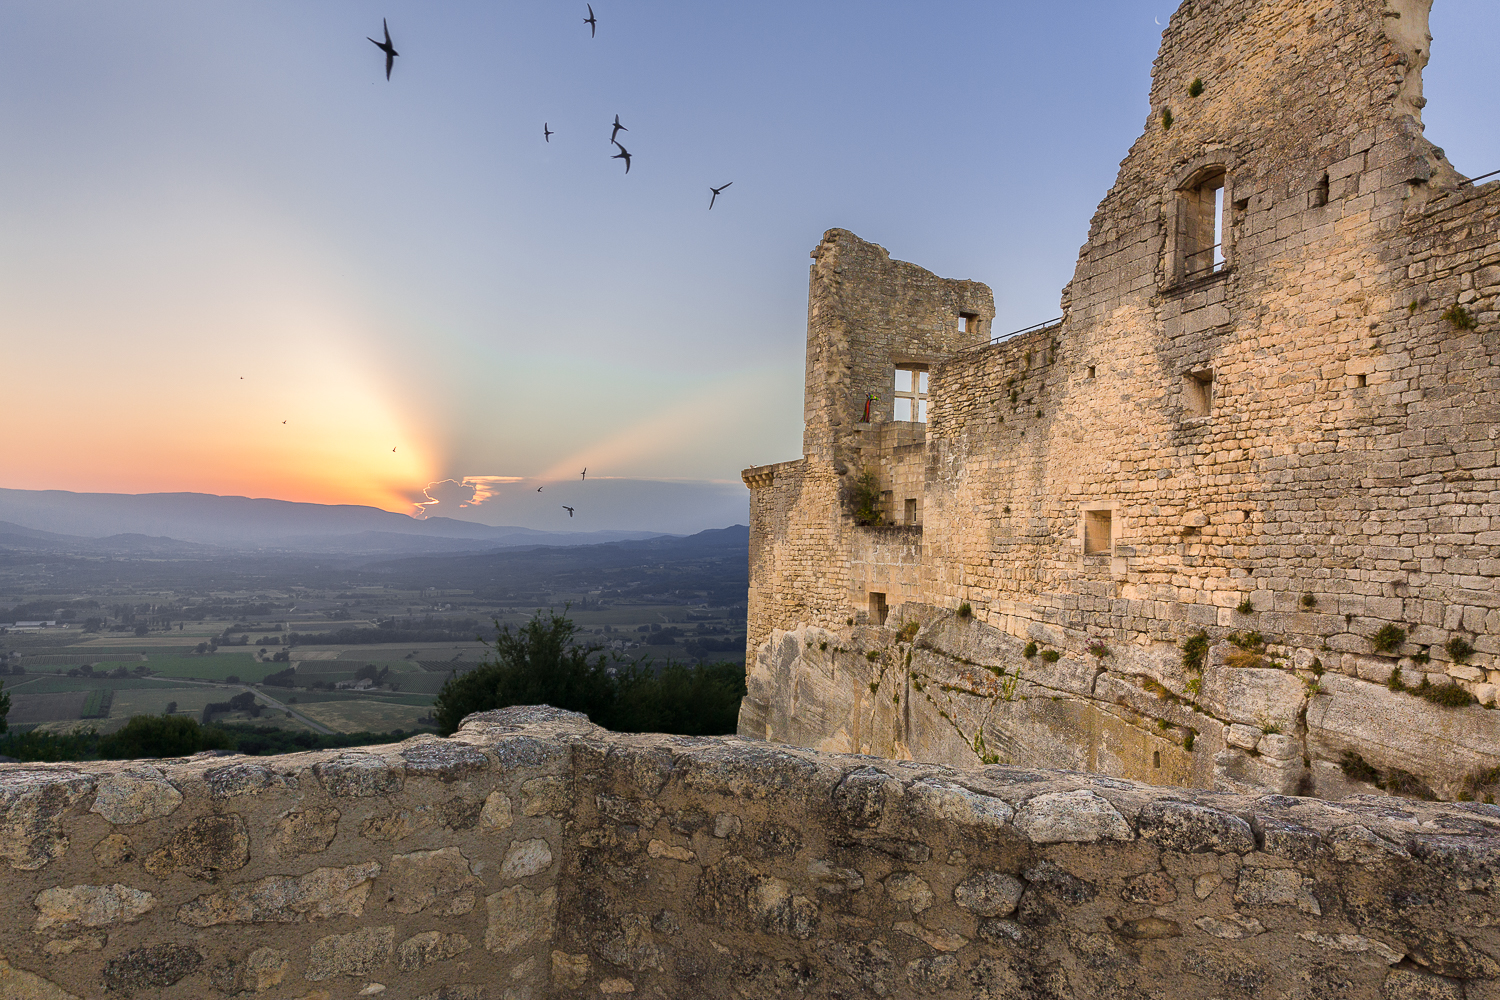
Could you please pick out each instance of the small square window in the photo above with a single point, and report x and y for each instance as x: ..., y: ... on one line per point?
x: 877, y: 608
x: 1198, y: 393
x: 1098, y: 533
x: 968, y: 322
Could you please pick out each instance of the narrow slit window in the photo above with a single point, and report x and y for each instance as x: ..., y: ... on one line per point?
x: 877, y: 608
x: 911, y: 510
x: 1098, y: 532
x: 911, y: 393
x: 1319, y: 196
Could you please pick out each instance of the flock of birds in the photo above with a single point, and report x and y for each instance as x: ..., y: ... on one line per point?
x: 547, y: 133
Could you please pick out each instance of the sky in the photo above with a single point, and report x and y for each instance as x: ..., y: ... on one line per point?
x: 235, y: 259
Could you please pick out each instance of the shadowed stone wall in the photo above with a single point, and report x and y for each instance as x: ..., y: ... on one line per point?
x: 1294, y: 451
x: 534, y: 855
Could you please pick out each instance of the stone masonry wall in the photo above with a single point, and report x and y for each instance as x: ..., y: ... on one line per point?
x: 1324, y: 518
x: 536, y: 856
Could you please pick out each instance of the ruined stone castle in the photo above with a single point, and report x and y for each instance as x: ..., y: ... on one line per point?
x: 1231, y: 522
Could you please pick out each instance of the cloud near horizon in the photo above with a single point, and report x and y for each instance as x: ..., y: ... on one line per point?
x: 678, y: 507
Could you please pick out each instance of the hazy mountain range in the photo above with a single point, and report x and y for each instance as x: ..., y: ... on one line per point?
x: 160, y: 524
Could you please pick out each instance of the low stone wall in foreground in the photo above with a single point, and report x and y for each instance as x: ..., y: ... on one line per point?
x: 534, y: 855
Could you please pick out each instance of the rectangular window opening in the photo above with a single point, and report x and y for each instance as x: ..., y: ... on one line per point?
x: 1098, y: 535
x: 1200, y: 227
x: 1090, y: 372
x: 911, y: 393
x: 877, y: 608
x: 1198, y: 393
x: 911, y: 510
x: 1359, y: 381
x: 1319, y: 196
x: 968, y: 322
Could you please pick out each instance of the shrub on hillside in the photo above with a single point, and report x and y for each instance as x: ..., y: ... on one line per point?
x: 541, y: 663
x: 161, y: 736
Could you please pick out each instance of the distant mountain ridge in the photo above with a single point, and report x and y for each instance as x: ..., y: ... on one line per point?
x: 28, y: 516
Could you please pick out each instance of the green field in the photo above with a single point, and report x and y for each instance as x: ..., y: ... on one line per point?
x: 213, y: 666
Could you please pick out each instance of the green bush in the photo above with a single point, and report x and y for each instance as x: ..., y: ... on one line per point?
x: 1459, y: 649
x: 1460, y: 318
x: 541, y: 663
x: 1195, y: 652
x: 964, y: 611
x: 162, y: 736
x: 1196, y: 87
x: 1245, y: 607
x: 1029, y: 651
x: 864, y: 499
x: 1051, y: 656
x: 1451, y: 694
x: 1388, y: 638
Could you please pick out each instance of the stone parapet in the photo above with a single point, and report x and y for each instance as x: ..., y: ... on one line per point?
x: 535, y: 856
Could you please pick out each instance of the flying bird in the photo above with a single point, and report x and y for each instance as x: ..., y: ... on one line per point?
x: 618, y: 129
x: 715, y: 197
x: 568, y: 509
x: 591, y: 21
x: 283, y: 421
x: 585, y: 473
x: 547, y: 133
x: 393, y: 451
x: 387, y: 48
x: 539, y: 489
x: 623, y: 154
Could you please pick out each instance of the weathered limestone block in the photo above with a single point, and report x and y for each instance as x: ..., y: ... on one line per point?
x: 949, y: 803
x: 546, y: 796
x: 989, y: 894
x: 203, y: 849
x: 526, y: 858
x: 32, y: 804
x: 518, y: 916
x: 1191, y: 828
x: 908, y: 891
x: 156, y: 966
x: 233, y: 780
x: 734, y: 893
x: 571, y: 972
x: 113, y: 850
x: 18, y: 984
x: 1078, y: 817
x: 260, y: 970
x: 134, y: 796
x: 496, y: 814
x: 306, y: 831
x: 1276, y: 887
x: 358, y: 953
x: 321, y: 894
x: 634, y: 947
x: 359, y: 775
x: 1255, y: 697
x: 64, y: 911
x: 1231, y: 927
x: 443, y: 759
x: 427, y: 948
x: 441, y: 879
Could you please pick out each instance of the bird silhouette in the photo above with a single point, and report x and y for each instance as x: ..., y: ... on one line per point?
x: 547, y: 133
x: 568, y: 509
x: 591, y: 21
x: 539, y: 489
x: 585, y: 473
x: 623, y: 154
x: 387, y: 48
x: 393, y: 451
x: 283, y: 421
x: 715, y: 197
x: 618, y: 129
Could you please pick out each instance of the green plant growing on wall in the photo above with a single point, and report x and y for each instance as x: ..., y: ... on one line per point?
x: 1460, y: 318
x: 1029, y: 651
x: 1188, y: 739
x: 1309, y: 600
x: 1394, y: 682
x: 1450, y: 695
x: 1356, y: 768
x: 823, y: 646
x: 1388, y: 638
x: 1195, y: 652
x: 909, y: 631
x: 1166, y: 118
x: 964, y: 611
x: 1423, y: 656
x: 1245, y: 607
x: 1194, y: 685
x: 1195, y: 89
x: 1051, y: 655
x: 1250, y: 642
x: 873, y: 655
x: 864, y: 498
x: 1459, y: 649
x: 1099, y: 649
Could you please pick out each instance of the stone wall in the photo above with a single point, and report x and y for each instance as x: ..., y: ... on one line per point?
x: 1295, y: 450
x: 534, y: 855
